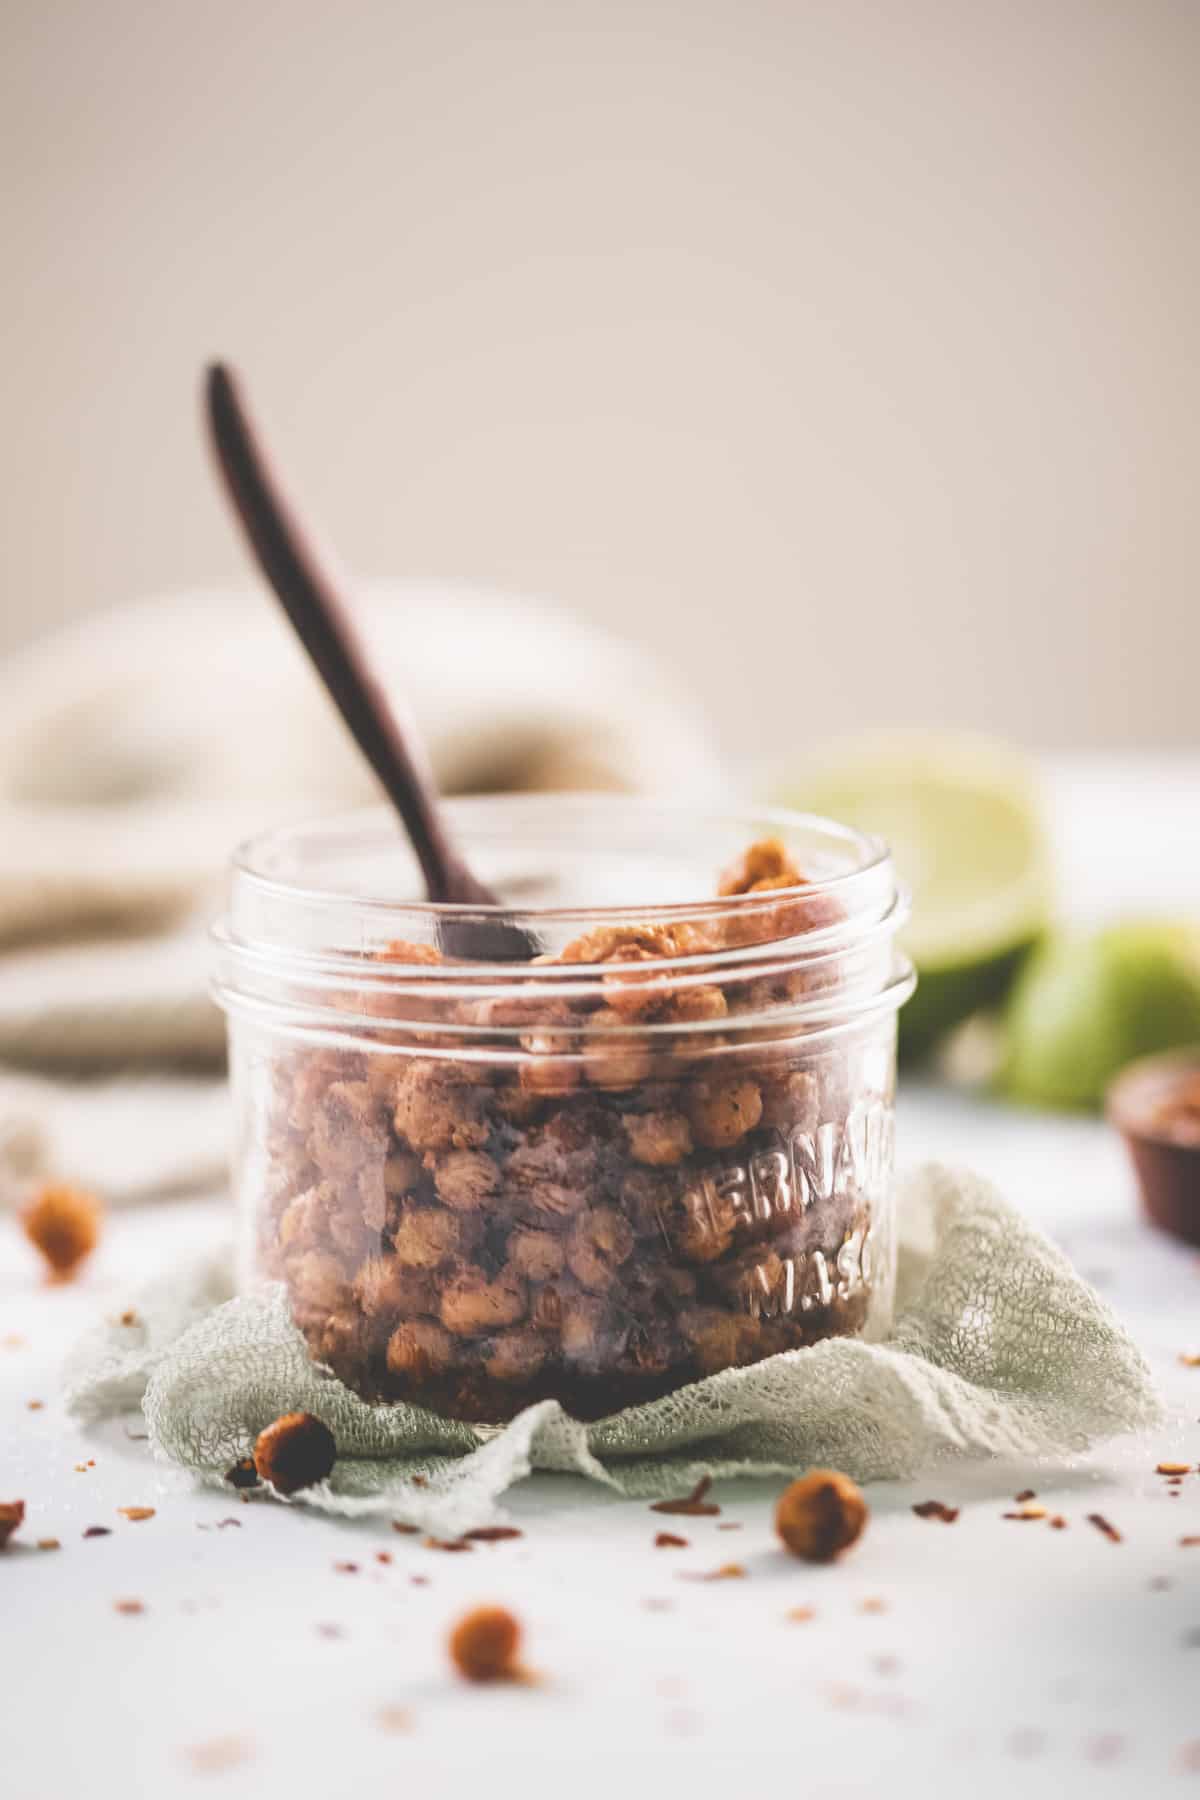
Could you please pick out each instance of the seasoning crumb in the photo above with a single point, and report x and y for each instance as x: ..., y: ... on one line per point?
x: 886, y: 1664
x: 81, y: 1468
x: 34, y: 1405
x: 330, y: 1631
x: 294, y: 1452
x: 820, y: 1515
x: 730, y: 1525
x: 1190, y: 1359
x: 12, y: 1340
x: 98, y: 1531
x: 421, y: 1481
x: 418, y: 1581
x: 48, y: 1544
x: 393, y: 1718
x: 1024, y: 1495
x: 346, y: 1568
x: 63, y: 1223
x: 128, y: 1317
x: 1102, y: 1525
x: 484, y: 1645
x: 451, y: 1544
x: 130, y: 1608
x: 1173, y: 1468
x: 800, y: 1615
x: 1188, y: 1543
x: 383, y: 1556
x: 1056, y: 1522
x: 667, y: 1540
x: 219, y: 1754
x: 726, y: 1572
x: 12, y: 1515
x: 693, y: 1505
x: 1104, y: 1747
x: 1026, y: 1512
x: 229, y: 1524
x: 492, y: 1534
x: 683, y: 1722
x: 405, y: 1530
x: 136, y: 1513
x: 936, y: 1509
x: 874, y: 1603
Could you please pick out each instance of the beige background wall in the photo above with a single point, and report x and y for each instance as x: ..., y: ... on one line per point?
x: 846, y: 352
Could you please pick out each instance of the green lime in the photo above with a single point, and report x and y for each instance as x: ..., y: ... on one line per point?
x: 1088, y: 1003
x: 963, y: 819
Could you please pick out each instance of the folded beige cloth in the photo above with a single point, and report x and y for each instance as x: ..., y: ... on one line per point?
x: 139, y: 747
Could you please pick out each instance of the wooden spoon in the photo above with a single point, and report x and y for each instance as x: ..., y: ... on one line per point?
x: 314, y: 599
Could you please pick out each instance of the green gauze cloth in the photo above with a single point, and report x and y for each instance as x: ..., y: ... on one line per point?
x: 999, y: 1349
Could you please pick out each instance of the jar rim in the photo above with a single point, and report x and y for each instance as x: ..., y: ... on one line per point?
x: 256, y: 861
x: 294, y: 950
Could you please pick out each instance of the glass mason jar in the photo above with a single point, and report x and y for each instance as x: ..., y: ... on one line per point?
x: 659, y: 1149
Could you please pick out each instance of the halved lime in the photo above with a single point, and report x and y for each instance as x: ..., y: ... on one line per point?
x: 963, y: 819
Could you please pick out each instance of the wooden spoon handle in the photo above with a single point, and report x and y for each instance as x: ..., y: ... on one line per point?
x: 314, y: 600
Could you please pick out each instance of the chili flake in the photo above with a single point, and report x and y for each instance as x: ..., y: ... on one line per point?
x: 936, y: 1509
x: 693, y: 1505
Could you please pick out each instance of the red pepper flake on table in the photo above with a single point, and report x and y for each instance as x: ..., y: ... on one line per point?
x: 219, y: 1754
x: 1106, y: 1530
x: 667, y: 1540
x: 693, y: 1505
x: 135, y: 1514
x: 936, y: 1509
x: 393, y: 1718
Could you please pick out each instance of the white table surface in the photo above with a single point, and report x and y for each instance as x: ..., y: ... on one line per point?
x: 1005, y: 1658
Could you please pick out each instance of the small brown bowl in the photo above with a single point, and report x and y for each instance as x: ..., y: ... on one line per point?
x: 1155, y: 1105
